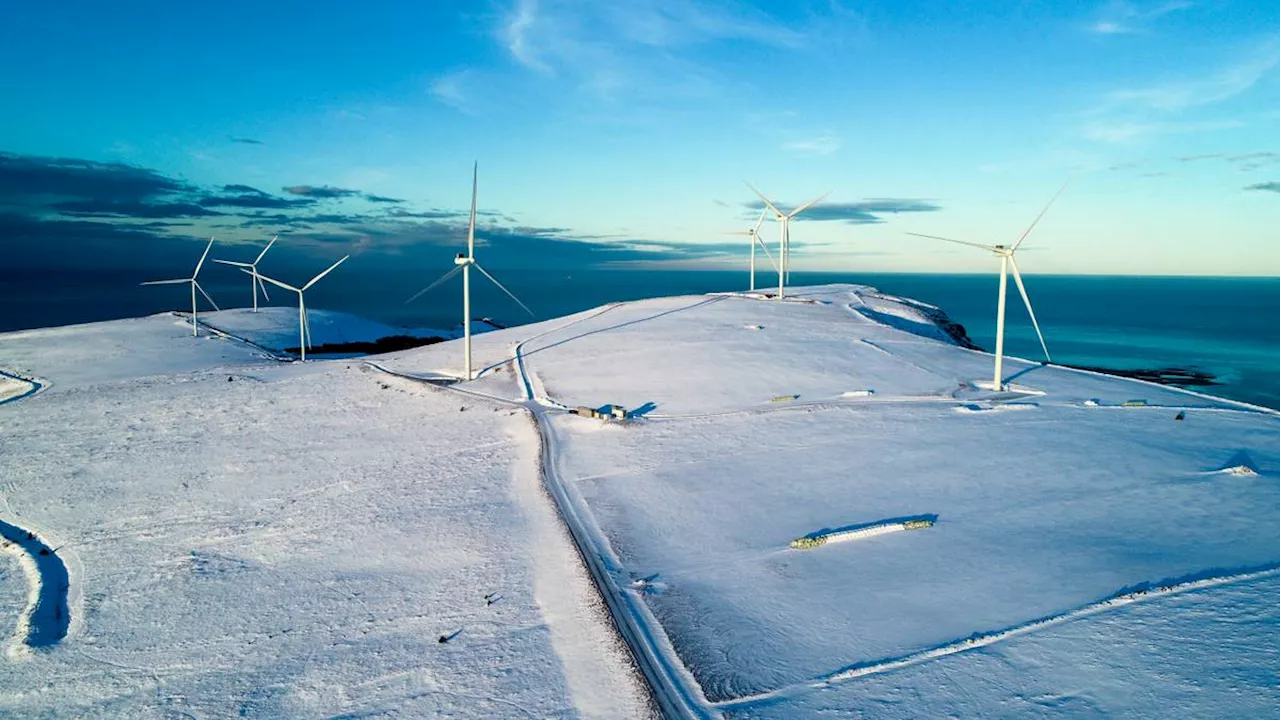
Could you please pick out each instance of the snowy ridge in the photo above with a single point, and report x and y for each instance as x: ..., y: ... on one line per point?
x: 1146, y: 591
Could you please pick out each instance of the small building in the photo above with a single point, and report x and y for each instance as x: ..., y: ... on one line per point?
x: 605, y: 412
x: 612, y: 412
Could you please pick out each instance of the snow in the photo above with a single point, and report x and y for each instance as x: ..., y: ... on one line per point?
x: 294, y: 542
x: 1051, y: 497
x: 291, y: 543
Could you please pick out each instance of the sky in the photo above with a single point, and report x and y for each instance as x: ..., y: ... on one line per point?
x: 621, y: 134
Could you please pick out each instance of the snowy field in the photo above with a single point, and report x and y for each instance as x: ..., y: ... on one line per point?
x: 243, y: 536
x: 247, y: 537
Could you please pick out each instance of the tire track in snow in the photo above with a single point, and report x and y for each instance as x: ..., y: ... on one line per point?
x: 47, y: 617
x: 1126, y: 596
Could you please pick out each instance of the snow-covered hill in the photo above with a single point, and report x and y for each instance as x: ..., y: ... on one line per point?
x: 277, y: 539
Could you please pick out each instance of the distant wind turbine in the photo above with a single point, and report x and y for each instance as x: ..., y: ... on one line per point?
x: 1007, y: 263
x: 463, y: 264
x: 255, y: 280
x: 304, y: 325
x: 754, y: 235
x: 784, y: 240
x: 195, y: 326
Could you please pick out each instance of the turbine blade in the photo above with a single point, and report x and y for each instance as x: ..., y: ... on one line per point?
x: 767, y: 254
x: 272, y: 281
x: 316, y: 279
x: 443, y: 278
x: 494, y: 280
x: 233, y: 262
x: 471, y: 226
x: 306, y: 321
x: 200, y: 264
x: 767, y: 204
x: 206, y: 295
x: 756, y: 230
x: 166, y: 282
x: 992, y: 248
x: 1017, y: 278
x: 265, y: 249
x: 1049, y: 204
x: 261, y: 286
x: 809, y: 204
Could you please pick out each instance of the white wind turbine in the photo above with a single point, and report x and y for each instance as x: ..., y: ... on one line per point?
x: 304, y: 325
x: 195, y: 326
x: 255, y: 280
x: 463, y: 263
x: 754, y: 235
x: 784, y: 240
x: 1007, y: 263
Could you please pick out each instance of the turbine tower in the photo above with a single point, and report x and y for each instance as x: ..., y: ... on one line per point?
x: 464, y: 263
x: 1008, y: 263
x: 784, y: 240
x: 255, y: 280
x: 195, y: 326
x: 304, y: 325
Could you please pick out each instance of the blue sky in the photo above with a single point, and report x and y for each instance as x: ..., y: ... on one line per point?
x: 622, y: 132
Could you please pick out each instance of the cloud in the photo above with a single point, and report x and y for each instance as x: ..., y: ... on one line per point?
x: 128, y: 209
x: 246, y: 141
x: 1127, y: 18
x: 26, y: 176
x: 516, y: 32
x: 652, y: 52
x: 1265, y: 186
x: 59, y: 212
x: 823, y: 144
x: 1221, y: 85
x: 323, y: 192
x: 255, y: 200
x: 865, y: 212
x: 1125, y: 131
x: 450, y: 90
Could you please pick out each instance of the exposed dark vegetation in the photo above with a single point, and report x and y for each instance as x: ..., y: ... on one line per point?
x: 390, y: 343
x: 1165, y: 376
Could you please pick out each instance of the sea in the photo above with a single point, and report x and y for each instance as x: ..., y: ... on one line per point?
x: 1228, y: 328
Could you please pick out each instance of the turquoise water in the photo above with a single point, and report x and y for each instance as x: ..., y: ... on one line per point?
x: 1229, y: 327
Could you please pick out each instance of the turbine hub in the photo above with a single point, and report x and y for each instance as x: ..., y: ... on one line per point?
x: 463, y: 260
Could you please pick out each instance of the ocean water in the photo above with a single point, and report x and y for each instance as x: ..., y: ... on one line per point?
x: 1228, y: 327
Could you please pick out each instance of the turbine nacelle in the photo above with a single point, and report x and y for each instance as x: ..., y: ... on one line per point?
x: 462, y: 260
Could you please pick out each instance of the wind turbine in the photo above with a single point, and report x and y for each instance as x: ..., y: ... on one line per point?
x: 754, y: 234
x: 304, y: 325
x: 784, y: 240
x: 1007, y: 263
x: 255, y: 280
x: 195, y: 327
x: 463, y: 263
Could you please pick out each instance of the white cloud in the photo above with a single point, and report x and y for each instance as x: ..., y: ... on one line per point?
x: 822, y: 144
x: 1127, y: 18
x: 451, y: 90
x: 1222, y: 85
x: 1122, y: 131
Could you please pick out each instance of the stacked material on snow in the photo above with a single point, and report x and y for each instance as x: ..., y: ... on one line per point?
x: 812, y: 541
